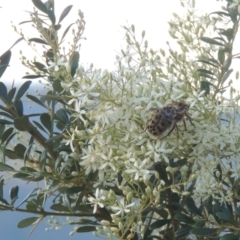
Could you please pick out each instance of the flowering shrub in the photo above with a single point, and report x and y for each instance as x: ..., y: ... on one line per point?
x: 94, y: 152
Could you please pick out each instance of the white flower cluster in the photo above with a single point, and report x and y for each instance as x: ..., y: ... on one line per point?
x: 117, y: 106
x: 114, y: 108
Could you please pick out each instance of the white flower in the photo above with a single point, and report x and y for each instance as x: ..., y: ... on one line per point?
x: 59, y: 62
x: 90, y: 159
x: 139, y: 169
x: 158, y: 150
x: 121, y: 209
x: 97, y: 200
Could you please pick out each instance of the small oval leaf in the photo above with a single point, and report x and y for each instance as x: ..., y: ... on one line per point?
x: 14, y: 192
x: 203, y: 231
x: 22, y: 90
x: 27, y: 222
x: 65, y: 13
x: 5, y: 167
x: 46, y: 121
x: 37, y: 40
x: 86, y: 229
x: 3, y: 92
x: 211, y: 41
x: 4, y: 60
x: 40, y: 5
x: 36, y: 100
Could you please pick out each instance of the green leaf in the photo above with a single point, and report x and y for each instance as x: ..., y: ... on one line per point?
x: 74, y: 190
x: 233, y: 12
x: 41, y: 199
x: 3, y: 121
x: 199, y: 224
x: 22, y: 90
x: 5, y: 58
x: 40, y: 66
x: 66, y: 31
x: 220, y: 13
x: 32, y: 76
x: 43, y: 159
x: 40, y: 126
x: 57, y: 27
x: 206, y: 76
x: 60, y: 208
x: 52, y: 17
x: 11, y: 94
x: 62, y: 116
x: 27, y: 222
x: 57, y: 86
x: 6, y: 134
x: 227, y: 33
x: 65, y: 13
x: 221, y: 56
x: 18, y: 105
x: 21, y: 175
x: 29, y: 177
x: 1, y: 187
x: 184, y: 218
x: 207, y: 62
x: 227, y: 64
x: 23, y: 22
x: 4, y: 61
x: 49, y: 56
x: 237, y: 211
x: 10, y: 138
x: 205, y: 86
x: 226, y: 216
x: 226, y: 75
x: 4, y: 167
x: 20, y: 149
x: 86, y: 229
x: 11, y: 154
x: 28, y: 169
x: 36, y: 100
x: 46, y: 121
x: 2, y: 128
x: 74, y: 62
x: 159, y: 223
x: 58, y: 162
x: 38, y: 40
x: 40, y: 5
x: 182, y: 232
x: 211, y: 41
x: 20, y: 39
x: 3, y: 153
x: 192, y: 207
x: 22, y: 123
x: 203, y: 231
x: 3, y: 92
x: 14, y: 192
x: 28, y: 151
x: 5, y: 114
x: 201, y: 70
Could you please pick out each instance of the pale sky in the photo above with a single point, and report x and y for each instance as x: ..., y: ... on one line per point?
x: 103, y: 26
